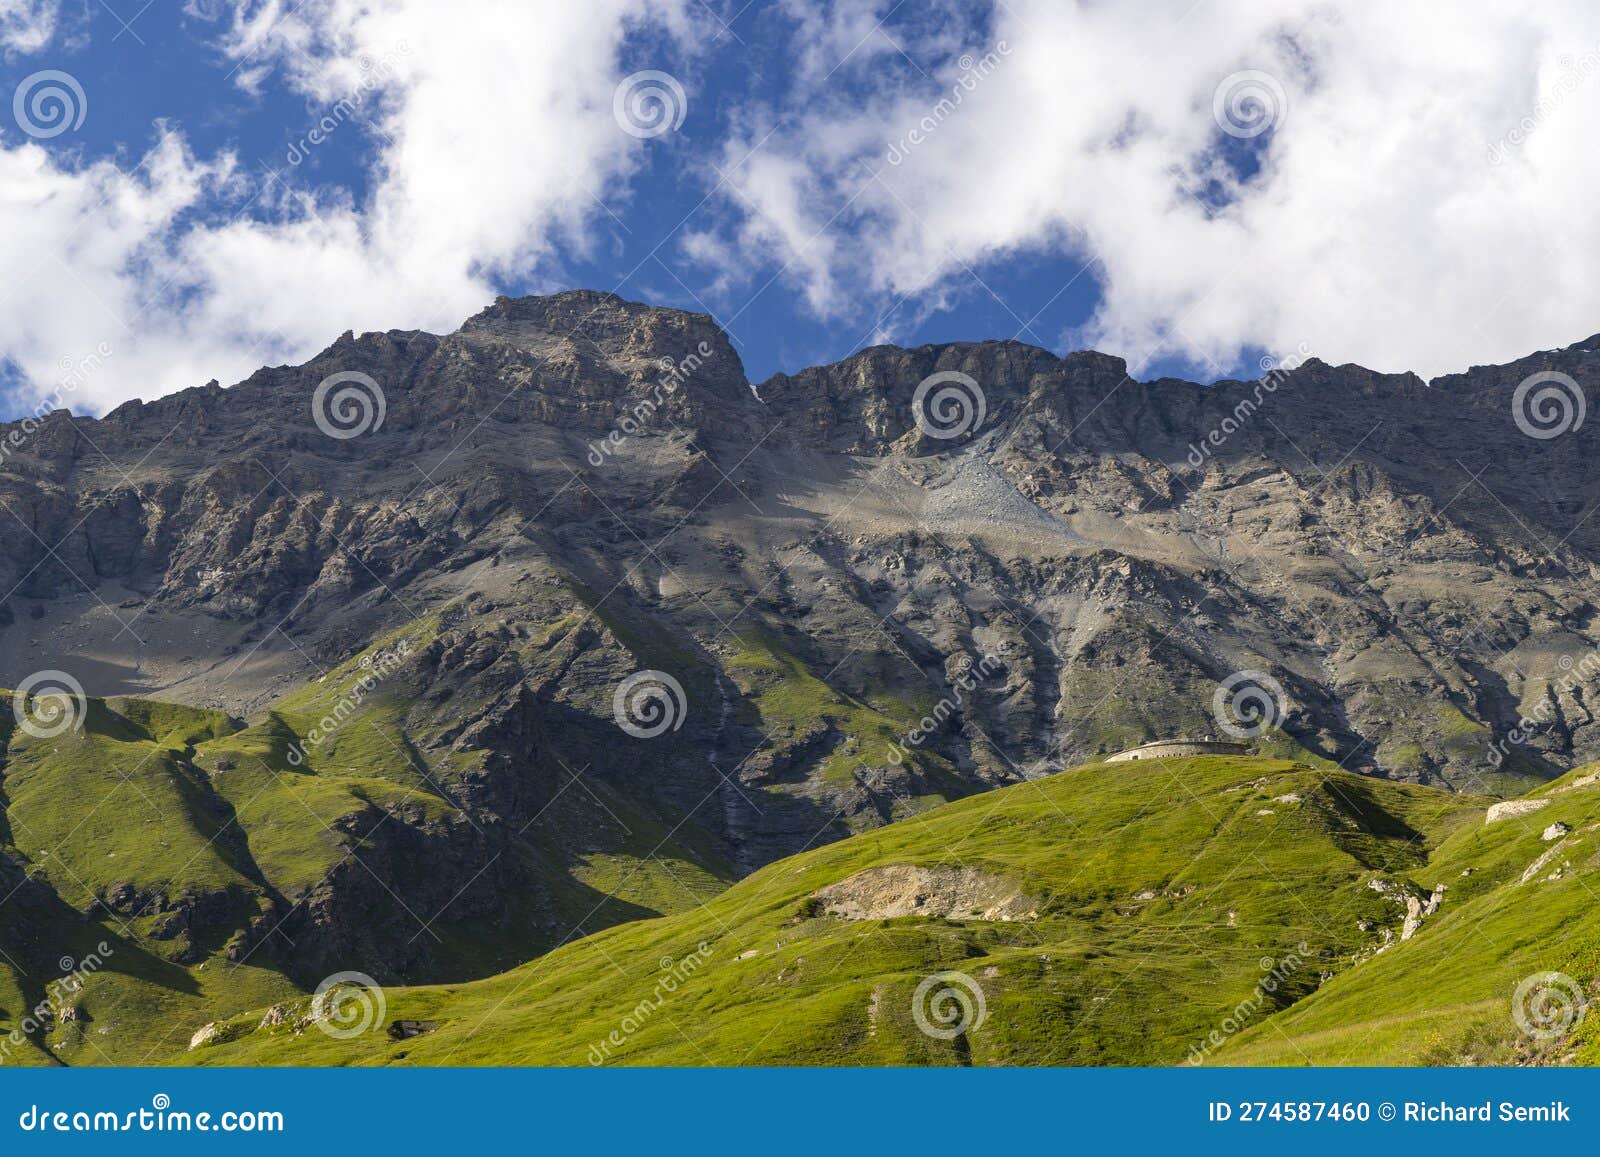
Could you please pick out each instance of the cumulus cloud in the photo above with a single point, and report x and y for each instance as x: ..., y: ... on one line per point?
x: 492, y: 137
x: 27, y: 25
x: 1418, y: 202
x: 1420, y: 199
x: 87, y: 271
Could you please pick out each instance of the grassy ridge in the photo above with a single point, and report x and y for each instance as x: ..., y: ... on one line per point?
x: 165, y: 833
x: 1445, y: 996
x: 799, y: 710
x: 1166, y: 890
x: 1163, y: 894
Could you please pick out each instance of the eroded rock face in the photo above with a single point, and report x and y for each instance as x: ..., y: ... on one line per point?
x: 903, y: 890
x: 571, y: 490
x: 1513, y: 807
x: 1121, y: 545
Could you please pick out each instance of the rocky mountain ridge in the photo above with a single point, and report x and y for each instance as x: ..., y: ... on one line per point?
x: 232, y: 504
x: 862, y: 612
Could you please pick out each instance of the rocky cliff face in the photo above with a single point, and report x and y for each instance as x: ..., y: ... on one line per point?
x: 864, y: 612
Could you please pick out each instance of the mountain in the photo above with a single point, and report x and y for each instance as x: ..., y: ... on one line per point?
x: 1183, y: 911
x: 435, y: 653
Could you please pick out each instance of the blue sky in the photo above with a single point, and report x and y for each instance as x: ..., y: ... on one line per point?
x: 163, y: 71
x: 1193, y: 187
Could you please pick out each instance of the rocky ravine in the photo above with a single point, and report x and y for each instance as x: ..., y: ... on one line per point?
x: 815, y: 570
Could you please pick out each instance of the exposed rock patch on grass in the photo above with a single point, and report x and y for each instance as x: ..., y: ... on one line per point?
x: 1513, y: 807
x: 903, y: 890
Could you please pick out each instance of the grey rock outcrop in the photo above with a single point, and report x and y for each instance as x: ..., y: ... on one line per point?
x: 572, y: 489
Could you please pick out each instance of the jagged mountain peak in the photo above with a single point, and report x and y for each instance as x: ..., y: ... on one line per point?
x: 863, y: 613
x: 581, y: 431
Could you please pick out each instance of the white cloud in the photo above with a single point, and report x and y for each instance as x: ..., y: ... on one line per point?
x: 86, y: 270
x: 27, y: 25
x: 1377, y: 230
x: 494, y: 136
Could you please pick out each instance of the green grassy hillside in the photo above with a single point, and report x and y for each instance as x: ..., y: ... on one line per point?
x: 191, y: 855
x: 1518, y: 905
x: 1214, y: 910
x: 1161, y: 902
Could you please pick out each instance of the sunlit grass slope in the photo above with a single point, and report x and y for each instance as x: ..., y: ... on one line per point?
x: 1164, y: 892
